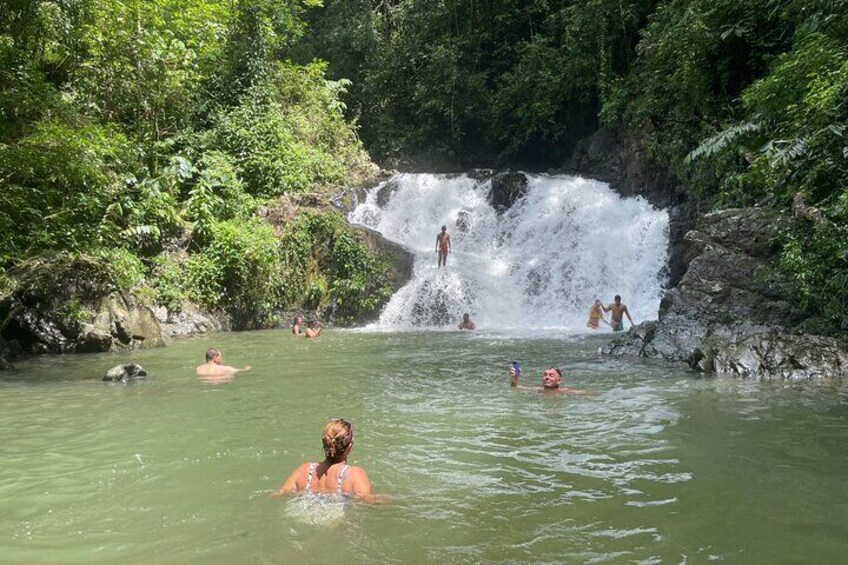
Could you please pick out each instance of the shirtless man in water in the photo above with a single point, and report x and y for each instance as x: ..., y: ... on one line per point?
x: 212, y: 370
x: 551, y: 381
x: 443, y: 246
x: 467, y: 323
x: 617, y: 309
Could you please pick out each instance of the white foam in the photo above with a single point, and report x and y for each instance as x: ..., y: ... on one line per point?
x: 538, y: 265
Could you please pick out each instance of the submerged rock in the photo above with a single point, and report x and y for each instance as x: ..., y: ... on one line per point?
x: 733, y: 310
x: 125, y: 372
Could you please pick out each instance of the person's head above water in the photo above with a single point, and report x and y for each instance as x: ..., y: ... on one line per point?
x: 337, y: 439
x: 617, y: 299
x: 213, y: 354
x: 444, y: 228
x: 551, y: 378
x: 465, y: 317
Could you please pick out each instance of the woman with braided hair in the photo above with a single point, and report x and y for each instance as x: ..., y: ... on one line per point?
x: 333, y: 476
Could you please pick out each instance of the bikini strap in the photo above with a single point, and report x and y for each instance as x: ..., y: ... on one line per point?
x: 309, y: 477
x: 341, y: 478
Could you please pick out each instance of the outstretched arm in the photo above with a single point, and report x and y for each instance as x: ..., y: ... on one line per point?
x: 606, y: 308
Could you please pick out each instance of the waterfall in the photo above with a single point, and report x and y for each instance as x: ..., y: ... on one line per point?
x: 537, y: 265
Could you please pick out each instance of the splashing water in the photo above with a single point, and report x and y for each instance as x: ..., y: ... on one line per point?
x: 538, y: 265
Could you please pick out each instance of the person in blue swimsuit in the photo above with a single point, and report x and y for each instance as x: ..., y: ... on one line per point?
x: 333, y: 476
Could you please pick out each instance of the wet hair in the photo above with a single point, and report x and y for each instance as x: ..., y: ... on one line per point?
x: 212, y: 353
x: 618, y: 297
x: 337, y: 437
x: 465, y: 316
x: 444, y: 228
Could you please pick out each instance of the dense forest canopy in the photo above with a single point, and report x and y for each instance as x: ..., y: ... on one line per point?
x: 148, y: 133
x: 138, y: 139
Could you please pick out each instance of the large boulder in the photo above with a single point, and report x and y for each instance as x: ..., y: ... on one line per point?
x: 115, y: 324
x: 134, y: 325
x: 399, y: 258
x: 189, y: 320
x: 733, y: 309
x: 506, y: 189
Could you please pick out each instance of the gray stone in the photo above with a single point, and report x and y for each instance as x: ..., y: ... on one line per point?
x: 400, y: 259
x: 125, y: 372
x: 191, y: 320
x: 733, y: 310
x: 506, y: 189
x: 463, y: 221
x: 135, y: 325
x: 385, y: 192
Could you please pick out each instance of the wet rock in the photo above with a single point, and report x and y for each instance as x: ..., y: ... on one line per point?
x: 191, y: 320
x: 400, y: 259
x: 506, y: 189
x: 481, y: 174
x: 385, y: 192
x: 770, y: 354
x: 96, y: 336
x: 125, y: 373
x: 134, y: 325
x: 625, y: 163
x: 733, y: 310
x: 115, y: 325
x: 463, y: 221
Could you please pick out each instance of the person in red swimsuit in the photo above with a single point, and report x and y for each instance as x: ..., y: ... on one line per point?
x: 443, y: 246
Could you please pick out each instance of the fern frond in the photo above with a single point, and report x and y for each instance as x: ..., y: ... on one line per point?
x: 720, y: 141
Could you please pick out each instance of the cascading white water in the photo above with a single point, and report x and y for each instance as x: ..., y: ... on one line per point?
x: 538, y: 265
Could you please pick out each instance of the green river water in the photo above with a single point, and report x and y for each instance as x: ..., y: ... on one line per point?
x: 661, y: 467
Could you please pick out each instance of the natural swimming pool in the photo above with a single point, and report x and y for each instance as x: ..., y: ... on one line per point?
x: 662, y: 467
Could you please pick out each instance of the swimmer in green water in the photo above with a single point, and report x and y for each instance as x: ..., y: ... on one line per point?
x: 551, y: 381
x: 213, y: 367
x: 332, y: 476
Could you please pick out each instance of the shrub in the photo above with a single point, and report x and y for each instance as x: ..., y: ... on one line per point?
x: 239, y: 272
x: 328, y: 266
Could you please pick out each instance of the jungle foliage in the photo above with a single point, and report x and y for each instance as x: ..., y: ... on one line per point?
x: 745, y: 103
x: 152, y: 131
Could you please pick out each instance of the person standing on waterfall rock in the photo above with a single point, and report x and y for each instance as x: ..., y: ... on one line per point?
x: 443, y: 246
x: 618, y: 309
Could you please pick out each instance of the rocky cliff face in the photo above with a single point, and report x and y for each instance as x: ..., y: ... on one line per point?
x: 733, y: 311
x: 117, y: 325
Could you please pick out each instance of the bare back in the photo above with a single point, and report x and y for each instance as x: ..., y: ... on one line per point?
x: 325, y: 480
